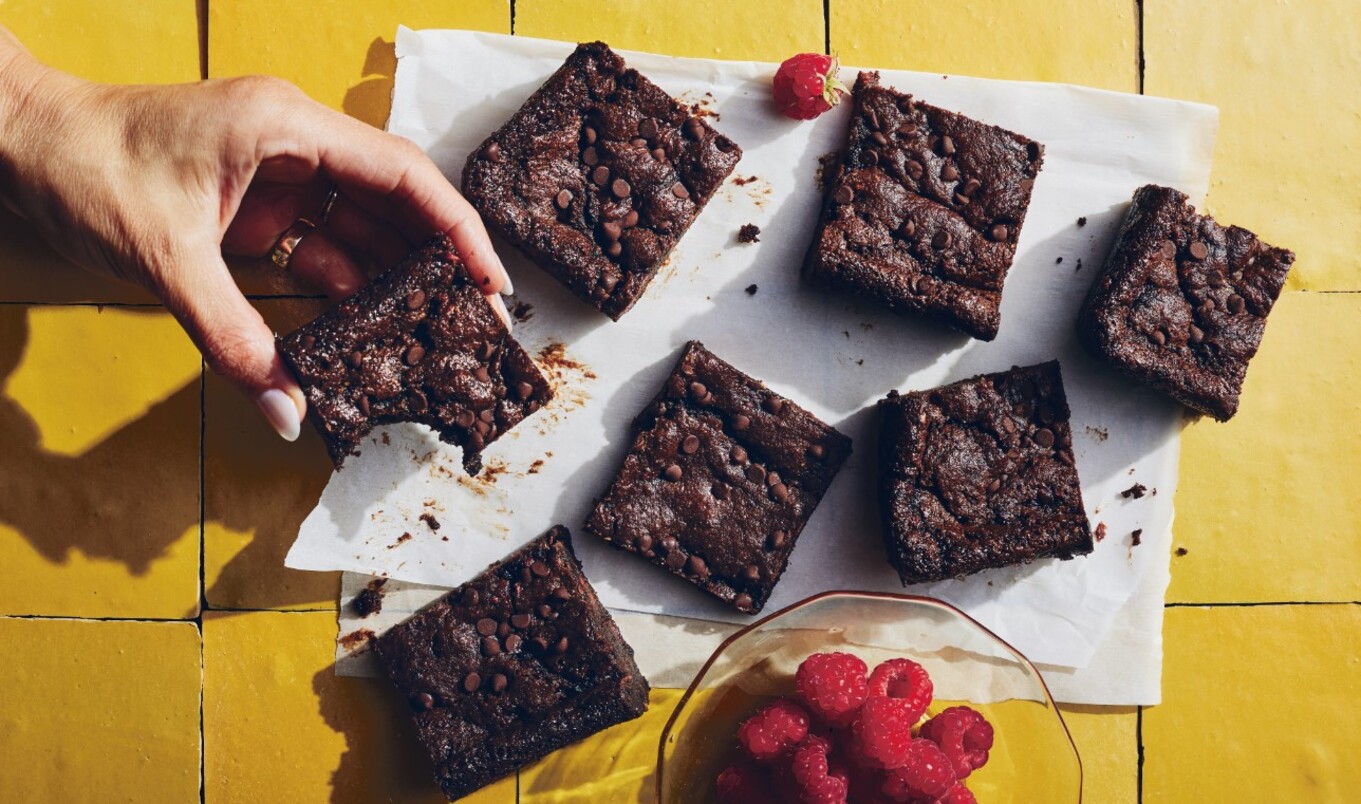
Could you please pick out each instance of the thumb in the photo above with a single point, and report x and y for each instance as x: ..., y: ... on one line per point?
x: 235, y: 341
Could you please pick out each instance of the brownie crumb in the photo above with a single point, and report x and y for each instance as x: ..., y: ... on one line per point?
x: 401, y: 540
x: 1136, y: 538
x: 749, y: 233
x: 1059, y: 261
x: 523, y: 311
x: 1100, y: 534
x: 743, y: 181
x: 369, y: 601
x: 827, y: 168
x: 429, y: 519
x: 1082, y: 221
x: 1136, y: 491
x: 356, y: 639
x: 1181, y: 551
x: 1079, y: 265
x: 751, y: 290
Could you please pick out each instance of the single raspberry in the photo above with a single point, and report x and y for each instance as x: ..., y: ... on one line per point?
x: 806, y: 85
x: 905, y: 680
x: 815, y: 777
x: 926, y: 773
x: 882, y: 732
x: 832, y: 685
x: 772, y: 732
x: 745, y: 783
x: 959, y: 794
x: 964, y: 735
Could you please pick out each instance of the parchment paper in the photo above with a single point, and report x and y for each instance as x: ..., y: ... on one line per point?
x: 831, y: 354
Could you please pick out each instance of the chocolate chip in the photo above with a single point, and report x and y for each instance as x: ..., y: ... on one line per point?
x: 871, y: 158
x: 909, y: 228
x: 513, y: 643
x: 752, y: 573
x: 679, y: 191
x: 471, y: 682
x: 414, y: 354
x: 994, y: 485
x: 590, y: 135
x: 659, y: 154
x: 817, y: 451
x: 631, y: 219
x: 425, y: 701
x: 998, y: 232
x: 647, y: 127
x: 471, y: 596
x: 777, y: 539
x: 485, y: 351
x: 499, y: 683
x: 949, y: 172
x: 487, y: 415
x: 962, y: 199
x: 520, y: 621
x: 1159, y: 337
x: 545, y: 611
x: 561, y: 647
x: 696, y: 566
x: 907, y: 128
x: 698, y: 391
x: 772, y: 478
x: 418, y: 402
x: 742, y: 601
x: 673, y: 473
x: 491, y: 646
x: 756, y: 473
x: 621, y: 189
x: 774, y: 404
x: 614, y: 250
x: 741, y: 422
x: 415, y: 300
x: 563, y: 593
x: 492, y: 152
x: 872, y: 118
x: 947, y: 145
x: 738, y: 454
x: 486, y: 626
x: 541, y: 643
x: 563, y: 200
x: 693, y: 128
x: 355, y: 359
x: 1195, y: 335
x: 643, y: 544
x: 971, y: 186
x: 600, y: 176
x: 1168, y: 250
x: 591, y: 157
x: 1236, y: 304
x: 914, y: 169
x: 1207, y: 306
x: 843, y: 194
x: 540, y: 569
x: 1215, y: 280
x: 720, y: 491
x: 941, y: 239
x: 690, y: 445
x: 879, y: 138
x: 308, y: 341
x: 523, y: 390
x: 464, y: 419
x: 612, y: 230
x: 669, y: 543
x: 1198, y: 250
x: 364, y: 405
x: 780, y: 492
x: 1044, y: 437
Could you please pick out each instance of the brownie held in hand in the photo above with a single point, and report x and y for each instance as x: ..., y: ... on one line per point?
x: 1182, y: 302
x: 513, y: 665
x: 980, y: 474
x: 420, y: 344
x: 925, y: 209
x: 597, y: 176
x: 721, y: 478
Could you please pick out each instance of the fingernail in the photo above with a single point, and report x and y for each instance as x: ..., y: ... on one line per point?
x: 281, y: 412
x: 500, y: 307
x: 508, y: 289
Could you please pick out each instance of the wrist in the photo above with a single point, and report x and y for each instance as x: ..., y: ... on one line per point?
x: 29, y: 93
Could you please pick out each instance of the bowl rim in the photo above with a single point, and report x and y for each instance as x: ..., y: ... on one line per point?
x: 896, y: 596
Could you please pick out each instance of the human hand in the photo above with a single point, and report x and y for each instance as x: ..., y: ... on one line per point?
x: 154, y: 184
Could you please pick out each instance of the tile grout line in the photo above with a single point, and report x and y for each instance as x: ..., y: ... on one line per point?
x: 1139, y: 37
x: 1260, y: 603
x: 1139, y: 746
x: 512, y: 17
x: 202, y: 571
x: 827, y: 27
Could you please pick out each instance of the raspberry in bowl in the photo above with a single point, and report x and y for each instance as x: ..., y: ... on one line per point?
x: 850, y: 697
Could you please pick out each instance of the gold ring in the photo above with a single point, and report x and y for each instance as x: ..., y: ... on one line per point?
x: 328, y: 205
x: 288, y: 242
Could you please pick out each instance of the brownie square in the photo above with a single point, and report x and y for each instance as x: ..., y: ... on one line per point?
x: 925, y: 209
x: 721, y: 478
x: 419, y: 344
x: 597, y: 176
x: 1182, y: 302
x: 980, y: 474
x: 511, y: 666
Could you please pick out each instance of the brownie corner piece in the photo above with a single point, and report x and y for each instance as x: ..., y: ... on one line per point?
x: 924, y: 212
x: 597, y: 177
x: 980, y: 474
x: 1181, y: 302
x: 511, y: 666
x: 419, y: 344
x: 720, y: 479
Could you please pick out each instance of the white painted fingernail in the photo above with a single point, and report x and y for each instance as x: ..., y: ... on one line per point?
x: 508, y: 289
x: 281, y: 413
x: 500, y: 308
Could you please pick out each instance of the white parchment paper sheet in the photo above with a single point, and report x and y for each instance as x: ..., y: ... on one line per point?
x: 831, y: 354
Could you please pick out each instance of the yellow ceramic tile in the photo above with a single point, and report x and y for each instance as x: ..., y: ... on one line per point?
x: 1286, y: 162
x: 99, y: 418
x: 99, y: 711
x: 1092, y: 42
x: 92, y: 40
x: 1267, y: 505
x: 761, y: 30
x: 257, y: 490
x: 615, y: 765
x: 1259, y: 704
x: 279, y: 725
x: 1107, y: 740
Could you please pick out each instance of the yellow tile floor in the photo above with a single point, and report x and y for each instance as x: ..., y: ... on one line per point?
x: 135, y: 493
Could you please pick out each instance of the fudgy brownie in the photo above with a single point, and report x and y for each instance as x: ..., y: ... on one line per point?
x: 419, y: 344
x: 980, y: 474
x: 924, y: 210
x: 511, y: 666
x: 597, y: 176
x: 1182, y: 302
x: 721, y: 478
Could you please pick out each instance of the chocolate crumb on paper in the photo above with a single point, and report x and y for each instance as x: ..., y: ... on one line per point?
x: 370, y: 600
x: 749, y: 233
x: 354, y: 641
x: 1136, y: 491
x: 751, y: 290
x: 430, y: 521
x: 1137, y: 537
x: 401, y: 540
x: 1082, y: 221
x: 1181, y: 551
x: 1100, y: 534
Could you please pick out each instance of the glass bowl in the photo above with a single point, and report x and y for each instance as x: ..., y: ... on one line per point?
x: 1033, y: 756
